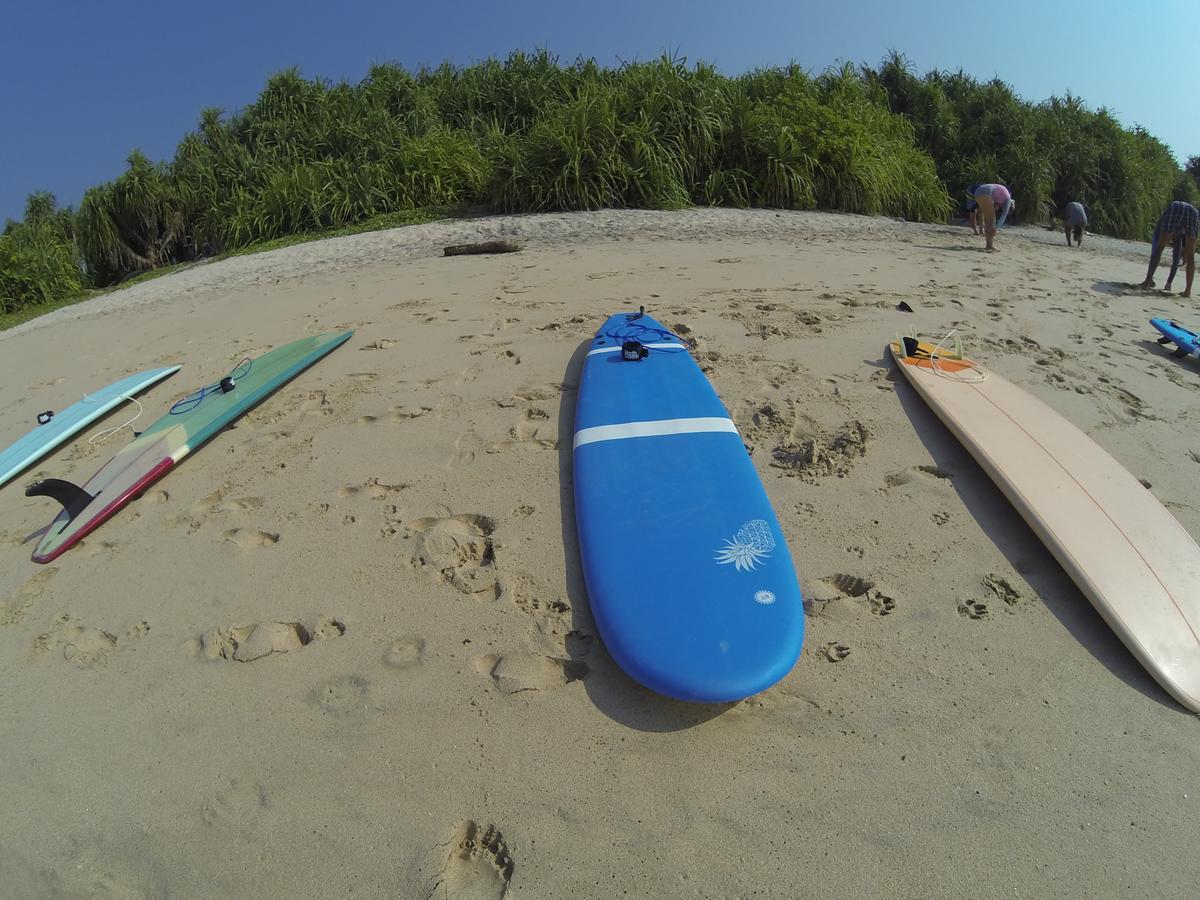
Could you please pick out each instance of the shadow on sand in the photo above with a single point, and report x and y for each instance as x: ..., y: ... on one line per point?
x: 612, y: 691
x: 1167, y: 351
x: 956, y: 247
x: 1124, y: 288
x: 1021, y: 547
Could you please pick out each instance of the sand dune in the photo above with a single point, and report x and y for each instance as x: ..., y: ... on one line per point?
x: 345, y: 649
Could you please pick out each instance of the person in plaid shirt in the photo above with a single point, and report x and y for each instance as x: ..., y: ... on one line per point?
x: 1179, y: 219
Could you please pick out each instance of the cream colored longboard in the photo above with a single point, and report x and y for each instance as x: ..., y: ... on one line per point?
x: 1129, y: 556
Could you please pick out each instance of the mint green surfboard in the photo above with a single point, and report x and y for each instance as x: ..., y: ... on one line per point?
x: 188, y: 424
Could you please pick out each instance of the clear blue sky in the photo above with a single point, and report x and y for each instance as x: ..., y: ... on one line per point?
x: 86, y: 82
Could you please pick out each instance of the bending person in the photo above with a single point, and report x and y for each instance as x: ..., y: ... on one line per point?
x: 1176, y: 254
x: 1179, y: 221
x: 993, y: 199
x: 1074, y: 222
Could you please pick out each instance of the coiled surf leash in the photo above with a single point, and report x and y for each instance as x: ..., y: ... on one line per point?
x: 637, y: 340
x: 971, y: 373
x: 224, y: 386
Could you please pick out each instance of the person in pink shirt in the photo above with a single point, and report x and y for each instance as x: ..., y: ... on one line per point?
x: 993, y: 200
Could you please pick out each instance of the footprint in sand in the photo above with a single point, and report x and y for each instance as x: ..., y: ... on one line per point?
x: 901, y: 477
x: 517, y: 673
x: 80, y: 644
x: 381, y: 344
x: 237, y: 804
x: 239, y: 504
x: 851, y: 585
x: 835, y: 652
x: 316, y: 403
x: 467, y: 446
x: 538, y: 393
x: 578, y: 644
x: 972, y: 610
x: 373, y: 488
x: 459, y: 549
x: 1001, y: 588
x: 90, y: 547
x: 532, y: 421
x: 404, y: 653
x: 405, y: 413
x: 14, y: 608
x: 83, y: 450
x: 881, y: 604
x: 479, y: 866
x: 340, y: 696
x: 379, y: 491
x: 707, y: 361
x: 312, y: 403
x: 530, y: 431
x: 249, y: 538
x: 755, y: 418
x: 199, y: 511
x: 246, y: 643
x: 535, y: 603
x: 573, y: 326
x: 823, y: 456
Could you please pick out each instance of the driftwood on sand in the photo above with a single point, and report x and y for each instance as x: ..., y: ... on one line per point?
x: 484, y: 247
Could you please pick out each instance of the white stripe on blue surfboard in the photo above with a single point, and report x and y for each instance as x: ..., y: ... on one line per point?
x: 615, y: 347
x: 654, y: 428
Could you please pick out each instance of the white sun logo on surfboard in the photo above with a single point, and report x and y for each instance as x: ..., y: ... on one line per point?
x: 751, y: 545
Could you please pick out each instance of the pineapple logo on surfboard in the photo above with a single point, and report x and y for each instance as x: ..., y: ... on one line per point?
x: 751, y: 545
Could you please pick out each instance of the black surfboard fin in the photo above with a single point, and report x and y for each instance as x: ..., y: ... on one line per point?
x: 72, y: 497
x: 1164, y: 340
x: 1180, y: 353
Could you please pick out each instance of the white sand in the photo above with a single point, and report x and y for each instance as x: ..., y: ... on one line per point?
x: 986, y: 735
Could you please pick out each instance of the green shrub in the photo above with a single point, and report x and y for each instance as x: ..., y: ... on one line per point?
x: 38, y: 261
x: 527, y: 133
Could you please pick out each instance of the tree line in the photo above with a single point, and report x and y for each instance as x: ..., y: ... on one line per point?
x: 527, y: 134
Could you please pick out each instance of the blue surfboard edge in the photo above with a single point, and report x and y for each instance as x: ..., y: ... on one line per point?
x: 689, y: 575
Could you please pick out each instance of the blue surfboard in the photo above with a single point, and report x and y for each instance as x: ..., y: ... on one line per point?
x: 1173, y: 333
x: 688, y: 574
